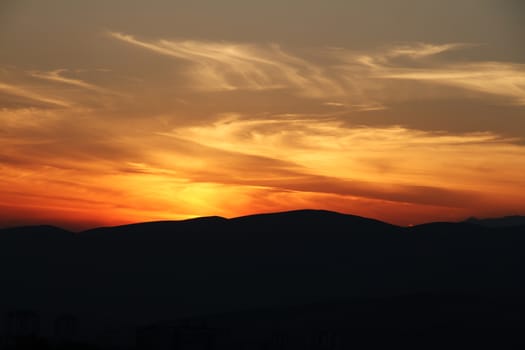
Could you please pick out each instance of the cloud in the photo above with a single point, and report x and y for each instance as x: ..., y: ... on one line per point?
x: 389, y: 163
x: 420, y: 50
x: 239, y: 165
x: 56, y: 76
x: 31, y: 95
x: 334, y: 104
x: 292, y: 140
x: 494, y: 78
x: 390, y: 55
x: 353, y: 77
x: 233, y: 66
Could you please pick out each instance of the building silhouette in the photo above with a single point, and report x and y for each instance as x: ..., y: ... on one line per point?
x: 177, y: 335
x: 21, y: 329
x: 65, y: 329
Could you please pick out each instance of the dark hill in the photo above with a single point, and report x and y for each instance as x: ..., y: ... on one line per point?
x: 34, y: 232
x: 310, y: 220
x: 159, y: 229
x: 138, y: 274
x: 507, y: 221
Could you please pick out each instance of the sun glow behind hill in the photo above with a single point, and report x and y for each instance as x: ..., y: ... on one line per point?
x: 137, y: 115
x: 243, y: 167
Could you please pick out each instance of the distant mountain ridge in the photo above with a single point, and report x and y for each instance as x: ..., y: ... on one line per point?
x: 506, y: 221
x: 265, y: 218
x: 141, y: 273
x: 308, y: 214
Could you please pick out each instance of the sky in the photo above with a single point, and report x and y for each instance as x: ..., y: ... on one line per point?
x: 114, y: 112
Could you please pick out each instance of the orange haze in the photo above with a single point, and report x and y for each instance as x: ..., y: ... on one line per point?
x: 113, y: 114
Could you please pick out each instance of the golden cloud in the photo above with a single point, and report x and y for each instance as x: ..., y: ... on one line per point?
x: 232, y: 66
x: 119, y: 160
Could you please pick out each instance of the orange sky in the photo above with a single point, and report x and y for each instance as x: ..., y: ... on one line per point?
x: 115, y: 121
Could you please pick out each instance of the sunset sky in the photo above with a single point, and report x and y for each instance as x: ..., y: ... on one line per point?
x: 114, y: 112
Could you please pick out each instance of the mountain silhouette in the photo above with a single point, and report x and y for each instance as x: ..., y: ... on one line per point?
x: 507, y: 221
x: 134, y: 275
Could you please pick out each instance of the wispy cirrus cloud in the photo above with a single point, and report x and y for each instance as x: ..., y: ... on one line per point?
x: 420, y: 50
x: 232, y: 66
x: 151, y: 158
x: 503, y: 79
x: 336, y: 73
x: 389, y: 157
x: 31, y: 95
x: 57, y: 76
x: 494, y: 78
x: 240, y: 165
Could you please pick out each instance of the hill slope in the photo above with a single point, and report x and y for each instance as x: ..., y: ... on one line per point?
x: 135, y: 274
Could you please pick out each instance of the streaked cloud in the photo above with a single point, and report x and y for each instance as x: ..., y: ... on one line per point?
x: 391, y: 164
x: 211, y: 127
x: 337, y: 72
x: 420, y: 50
x: 238, y: 165
x: 494, y: 78
x: 232, y: 66
x: 31, y: 95
x: 334, y: 104
x: 56, y: 76
x: 504, y: 79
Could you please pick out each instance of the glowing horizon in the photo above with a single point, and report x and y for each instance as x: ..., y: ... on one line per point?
x: 121, y: 120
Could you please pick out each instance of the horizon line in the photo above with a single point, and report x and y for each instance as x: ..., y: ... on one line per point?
x: 245, y: 216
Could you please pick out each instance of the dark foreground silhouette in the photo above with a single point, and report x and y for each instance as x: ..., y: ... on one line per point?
x: 295, y: 280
